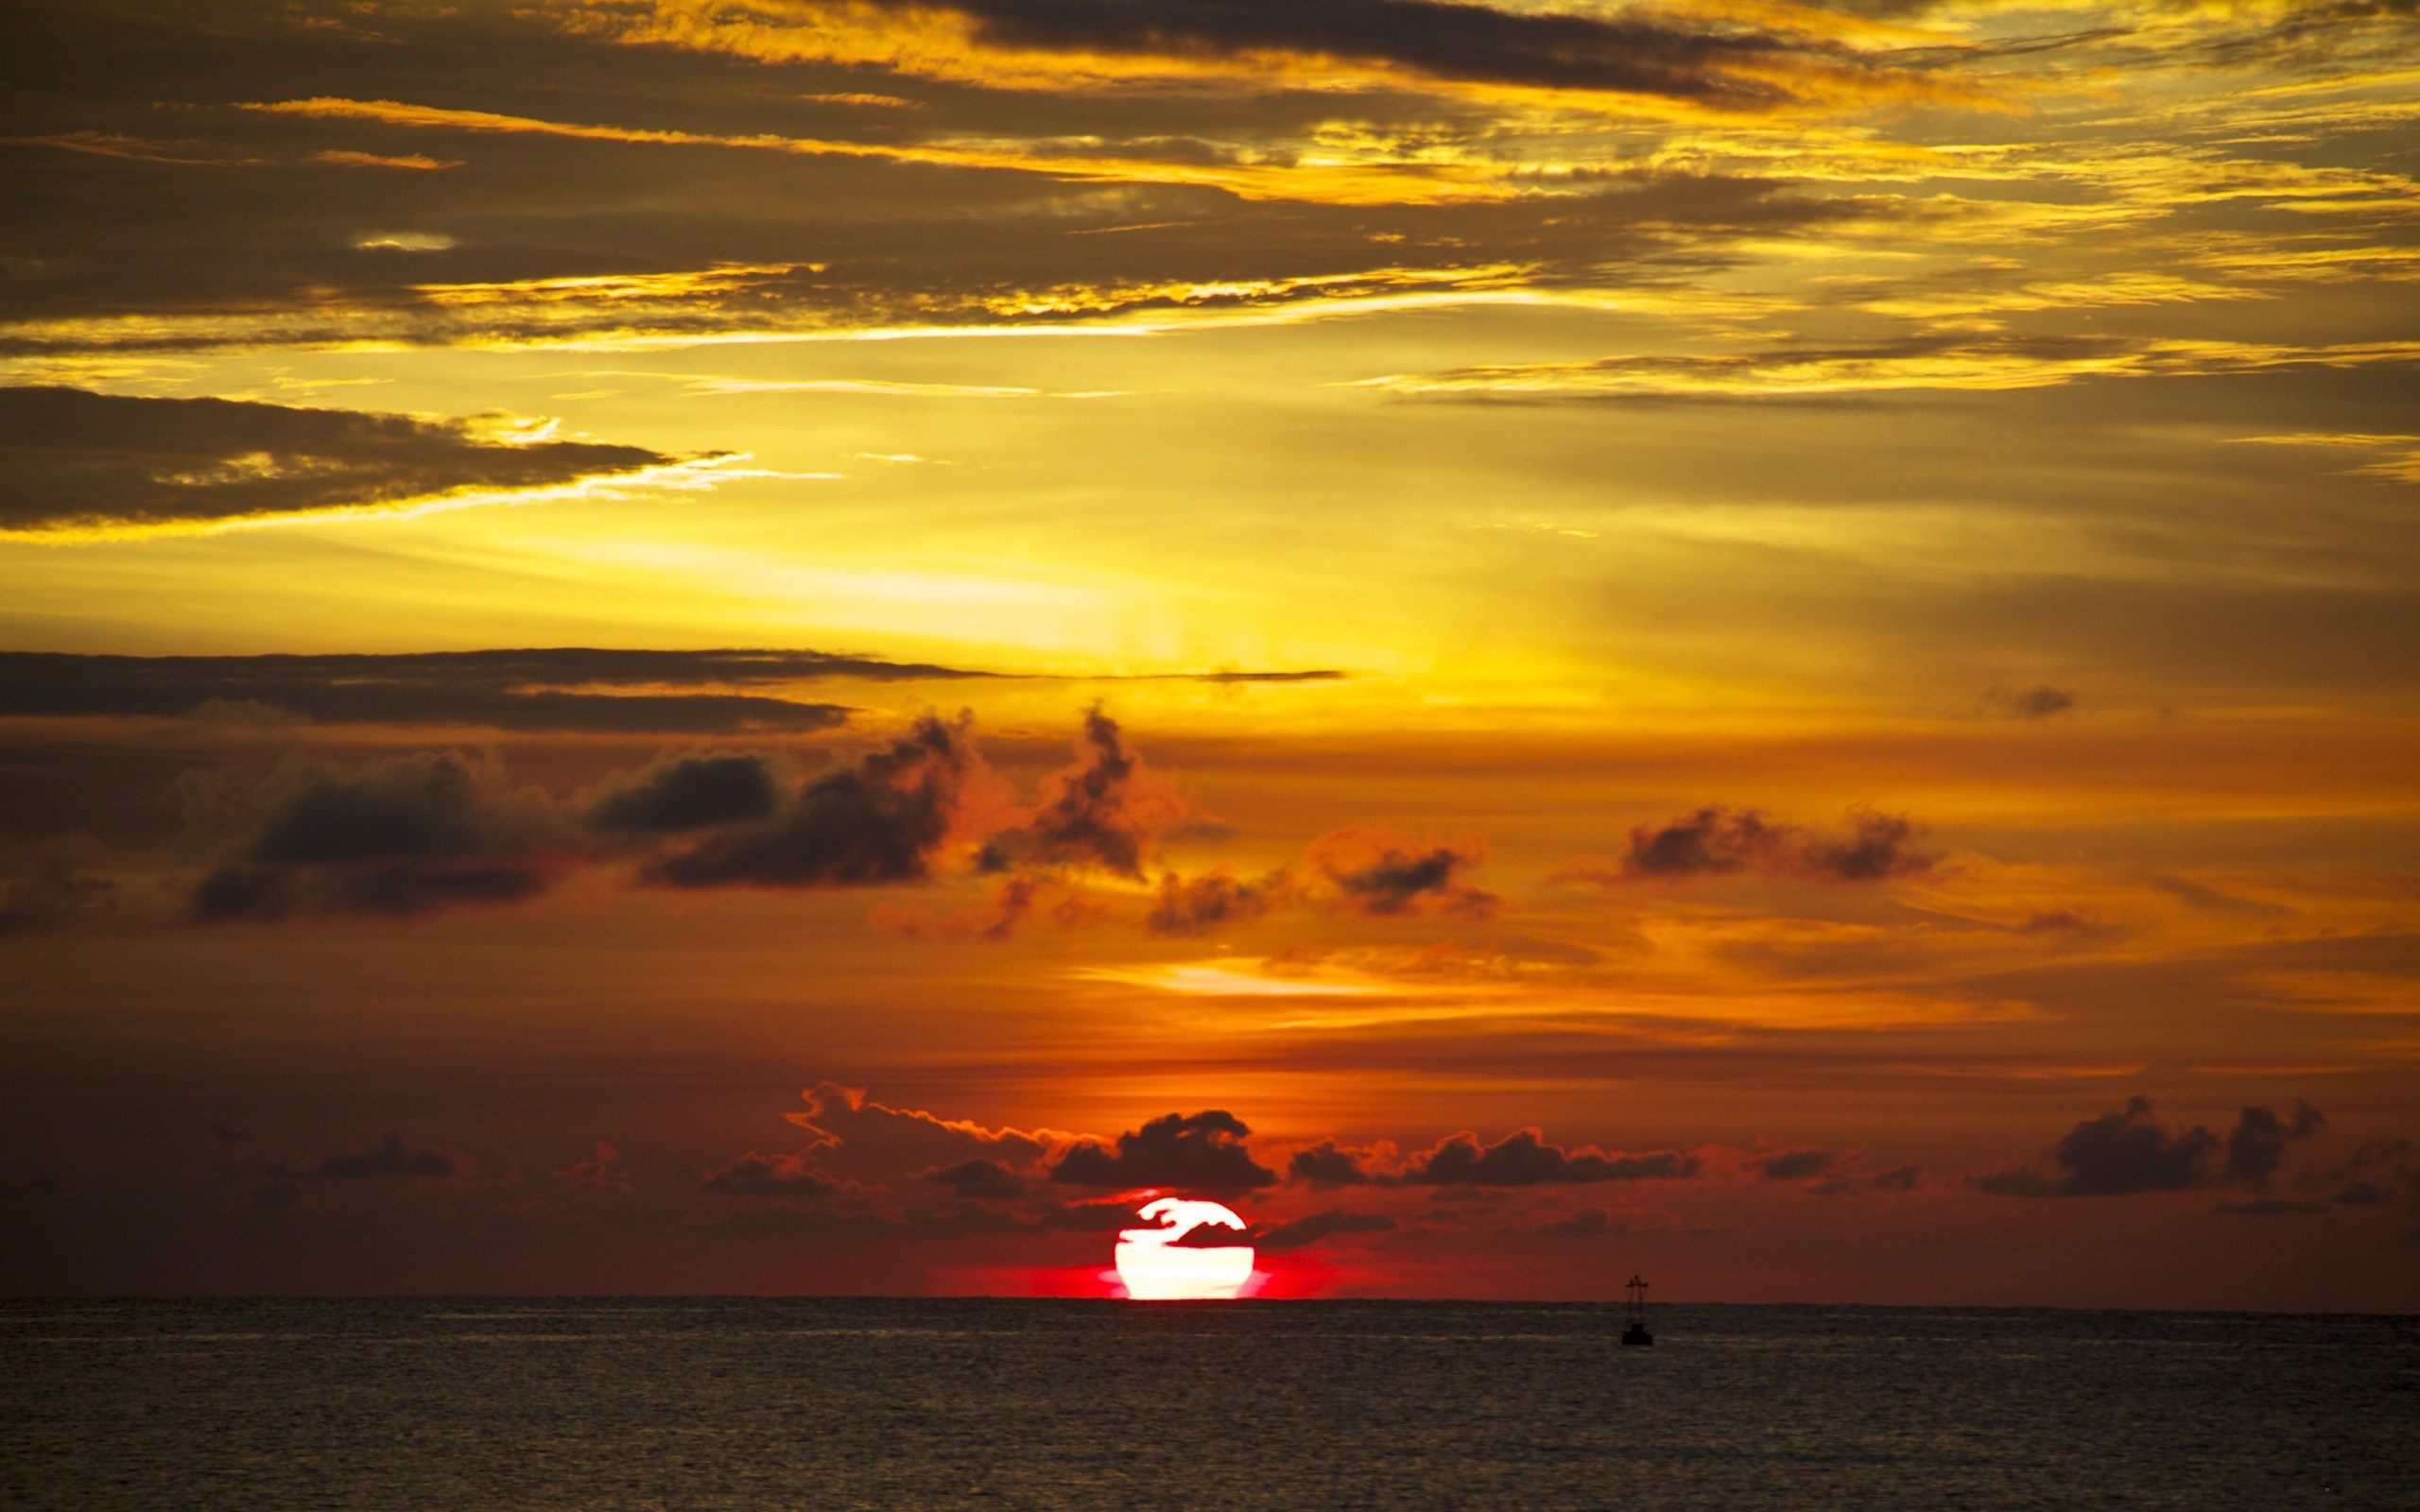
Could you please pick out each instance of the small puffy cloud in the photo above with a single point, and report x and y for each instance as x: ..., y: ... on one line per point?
x: 1369, y: 872
x: 1202, y: 1152
x: 2132, y: 1152
x: 698, y: 791
x: 881, y: 819
x: 1717, y: 841
x: 1313, y: 1228
x: 85, y: 463
x: 769, y: 1175
x: 1192, y: 905
x: 1105, y: 812
x: 394, y: 839
x: 2039, y: 702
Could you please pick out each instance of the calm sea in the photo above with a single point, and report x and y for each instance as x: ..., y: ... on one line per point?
x: 823, y: 1405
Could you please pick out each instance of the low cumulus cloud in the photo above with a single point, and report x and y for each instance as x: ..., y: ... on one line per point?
x: 883, y: 818
x: 1105, y: 812
x: 979, y: 1179
x: 769, y: 1175
x: 82, y: 463
x: 395, y: 839
x: 413, y: 834
x: 1521, y: 1159
x: 1201, y: 1151
x: 681, y: 794
x: 2132, y: 1152
x: 1717, y: 841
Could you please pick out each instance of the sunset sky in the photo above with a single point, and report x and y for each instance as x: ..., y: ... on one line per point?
x: 796, y: 645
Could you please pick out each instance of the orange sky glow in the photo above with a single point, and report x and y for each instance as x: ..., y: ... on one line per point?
x: 783, y: 647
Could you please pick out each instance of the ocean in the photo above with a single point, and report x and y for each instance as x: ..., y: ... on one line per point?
x: 822, y: 1404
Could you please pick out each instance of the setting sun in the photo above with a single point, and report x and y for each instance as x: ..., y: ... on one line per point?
x: 1165, y: 1265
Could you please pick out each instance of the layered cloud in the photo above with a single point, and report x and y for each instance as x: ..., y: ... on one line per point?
x: 1909, y: 364
x: 85, y: 464
x: 1774, y: 57
x: 533, y: 691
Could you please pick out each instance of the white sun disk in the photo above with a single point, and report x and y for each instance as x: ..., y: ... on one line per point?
x: 1156, y: 1268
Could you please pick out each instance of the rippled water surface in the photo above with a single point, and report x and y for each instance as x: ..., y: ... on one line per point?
x: 740, y: 1403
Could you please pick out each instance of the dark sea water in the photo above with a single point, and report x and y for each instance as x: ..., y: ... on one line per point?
x: 825, y: 1404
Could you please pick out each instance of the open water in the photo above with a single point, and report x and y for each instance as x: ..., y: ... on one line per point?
x: 466, y: 1406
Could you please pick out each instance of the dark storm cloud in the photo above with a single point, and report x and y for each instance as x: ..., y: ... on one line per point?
x: 878, y: 820
x: 769, y: 1175
x: 1716, y: 841
x: 1313, y: 1228
x: 396, y: 839
x: 78, y: 461
x: 1202, y: 1152
x: 1103, y: 811
x: 527, y: 691
x: 694, y: 792
x: 2132, y: 1152
x: 1524, y: 1159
